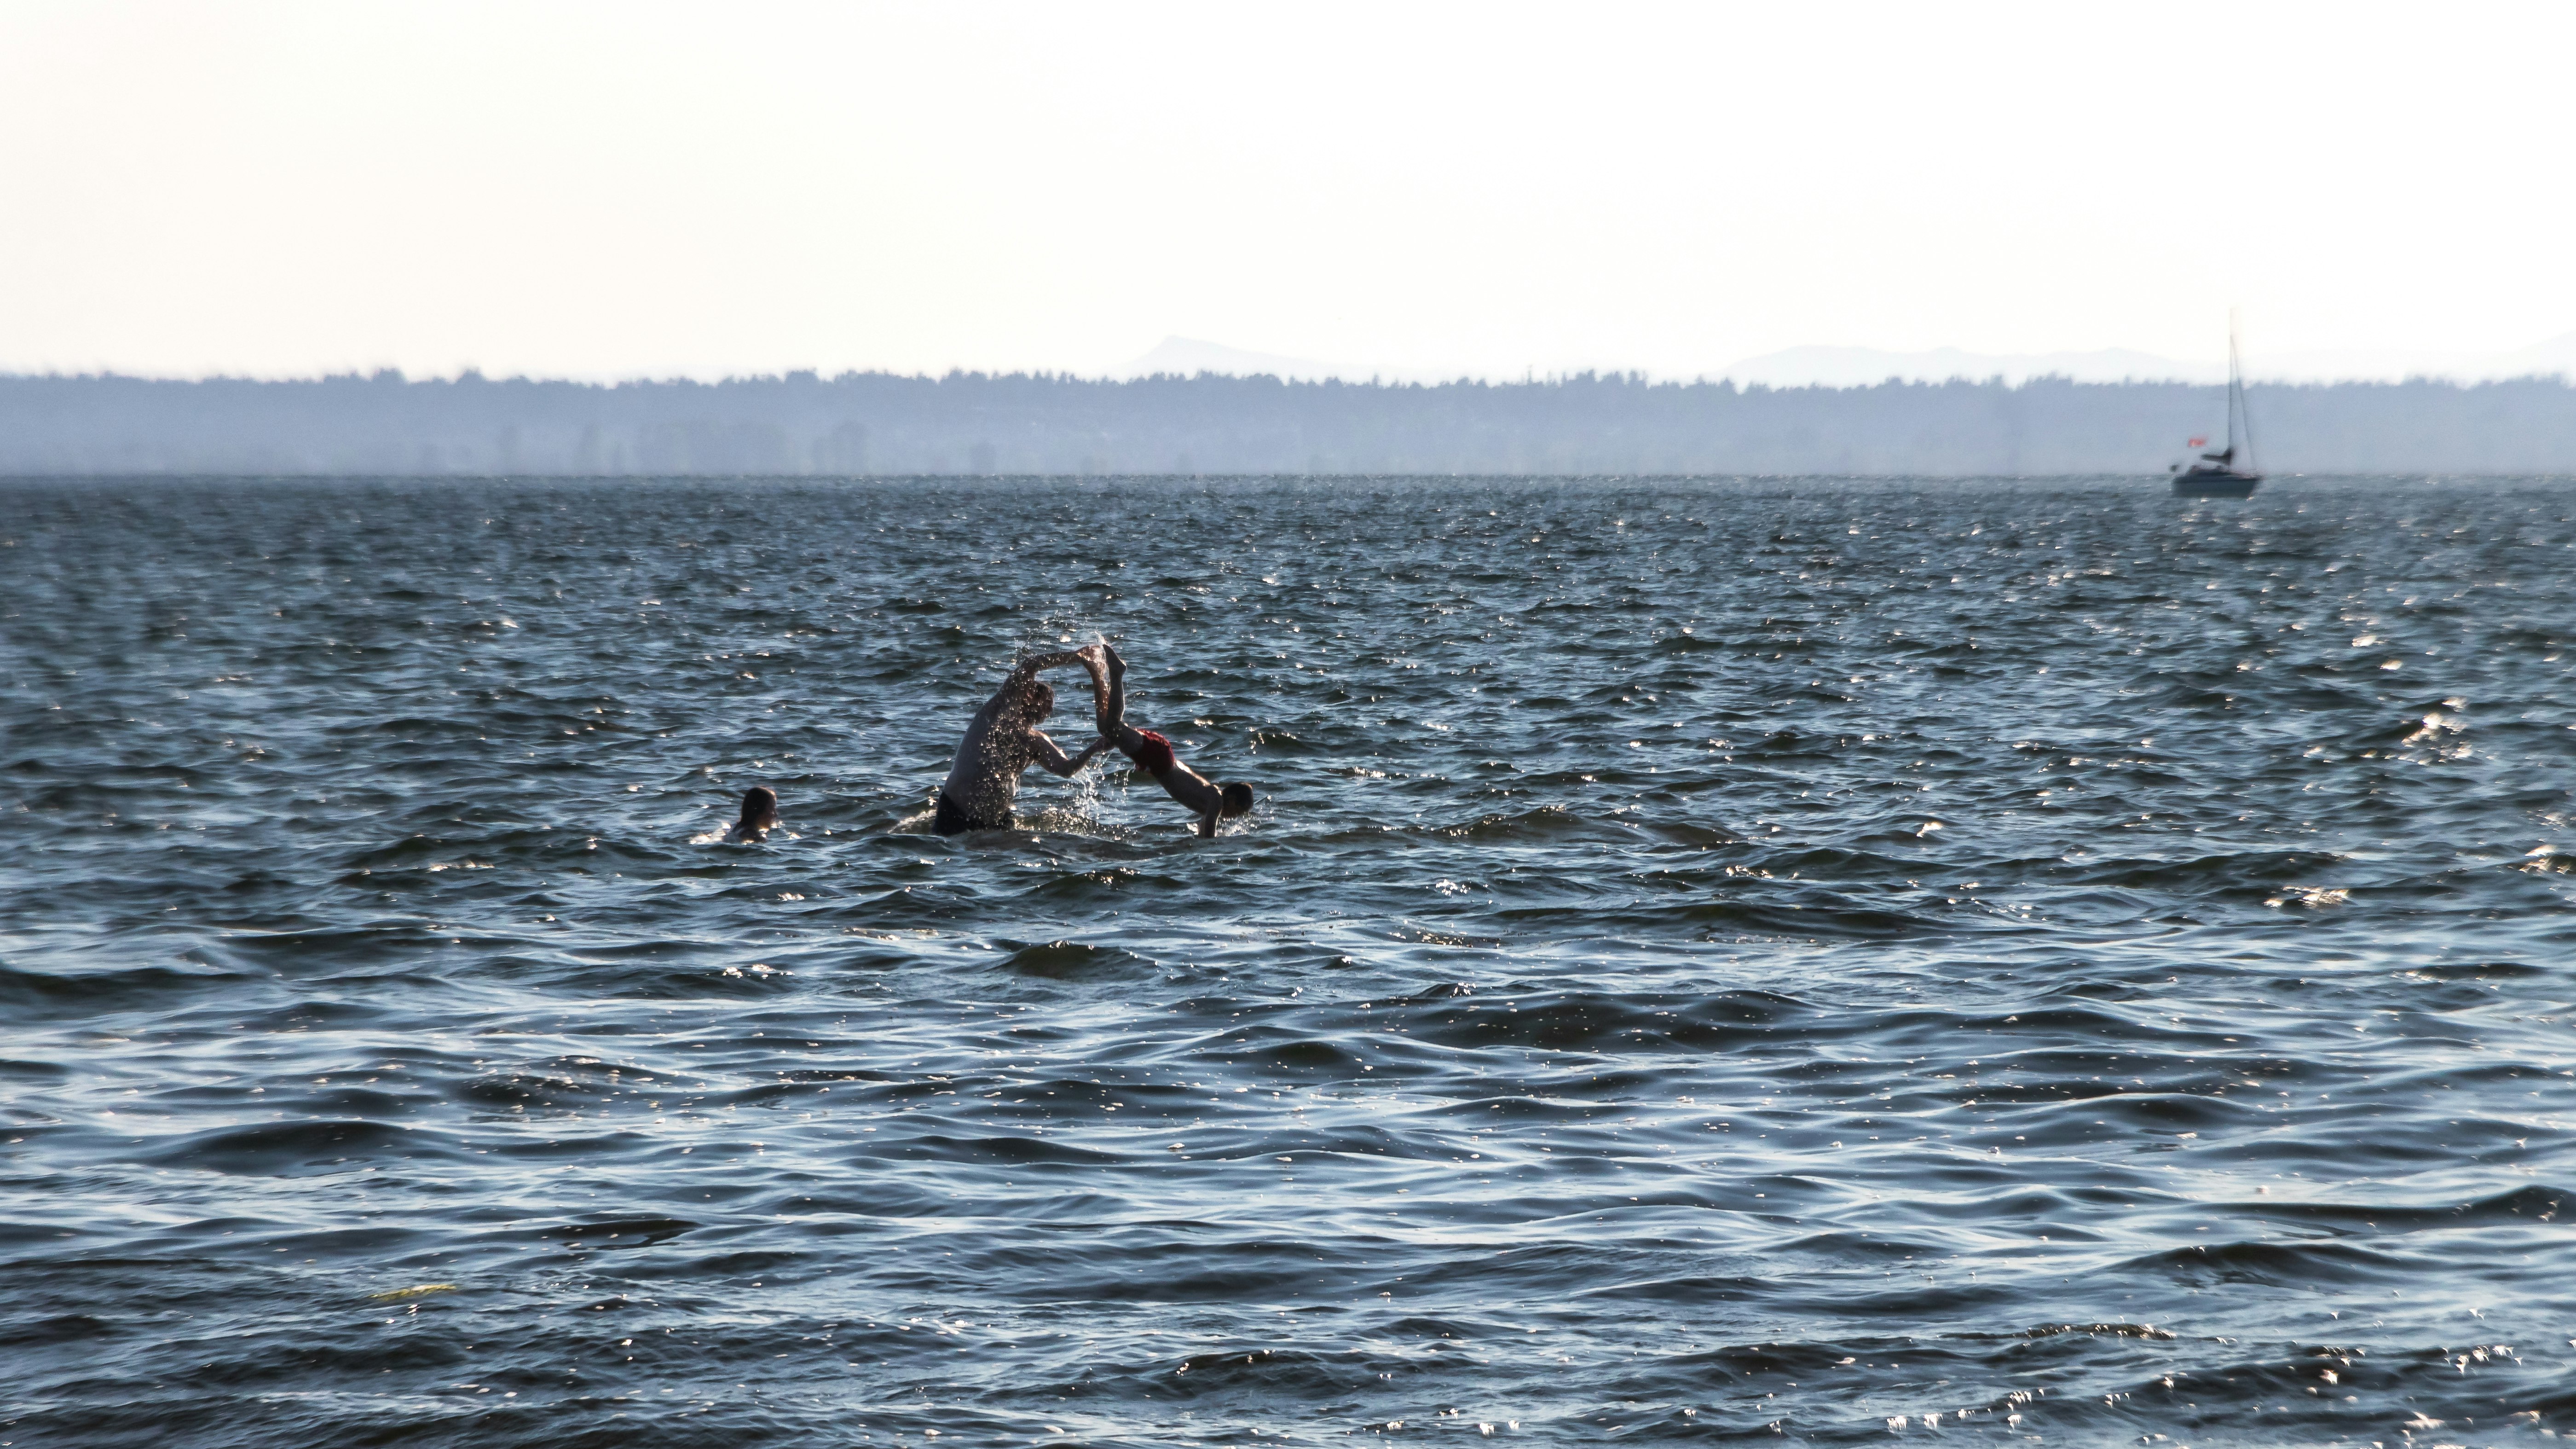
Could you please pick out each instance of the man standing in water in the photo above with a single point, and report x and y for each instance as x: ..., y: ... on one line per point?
x: 1004, y: 739
x: 1153, y: 753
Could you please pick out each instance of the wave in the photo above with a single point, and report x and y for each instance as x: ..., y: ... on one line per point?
x: 299, y: 1149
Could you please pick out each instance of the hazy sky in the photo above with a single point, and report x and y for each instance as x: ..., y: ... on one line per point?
x: 623, y: 189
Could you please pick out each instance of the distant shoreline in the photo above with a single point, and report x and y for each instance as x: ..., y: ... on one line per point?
x: 977, y: 424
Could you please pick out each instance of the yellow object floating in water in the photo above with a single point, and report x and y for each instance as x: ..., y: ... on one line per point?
x: 423, y: 1291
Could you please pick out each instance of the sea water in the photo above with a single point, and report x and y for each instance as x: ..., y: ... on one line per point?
x: 2016, y: 961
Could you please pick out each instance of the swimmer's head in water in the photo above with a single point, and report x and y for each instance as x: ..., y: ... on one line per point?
x: 1237, y: 797
x: 759, y: 808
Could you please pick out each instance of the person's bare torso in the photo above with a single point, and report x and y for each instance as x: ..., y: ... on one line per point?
x: 1003, y: 740
x: 984, y: 780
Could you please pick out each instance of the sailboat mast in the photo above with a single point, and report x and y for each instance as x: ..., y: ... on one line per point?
x: 2235, y: 387
x: 2236, y: 408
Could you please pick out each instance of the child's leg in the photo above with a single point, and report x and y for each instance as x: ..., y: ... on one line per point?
x: 1113, y: 714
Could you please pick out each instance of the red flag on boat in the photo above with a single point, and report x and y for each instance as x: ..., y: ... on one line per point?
x: 2198, y: 443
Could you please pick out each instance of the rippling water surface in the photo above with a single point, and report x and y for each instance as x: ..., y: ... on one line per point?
x: 1713, y: 960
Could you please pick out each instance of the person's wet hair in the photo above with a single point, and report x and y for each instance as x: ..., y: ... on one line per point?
x: 1041, y: 699
x: 759, y: 810
x: 1237, y: 798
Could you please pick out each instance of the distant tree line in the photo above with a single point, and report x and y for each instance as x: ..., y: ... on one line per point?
x: 858, y: 424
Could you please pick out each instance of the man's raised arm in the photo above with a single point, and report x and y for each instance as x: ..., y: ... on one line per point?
x: 1027, y: 669
x: 1088, y: 657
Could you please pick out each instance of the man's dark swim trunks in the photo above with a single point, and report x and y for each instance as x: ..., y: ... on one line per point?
x: 953, y: 820
x: 1155, y: 754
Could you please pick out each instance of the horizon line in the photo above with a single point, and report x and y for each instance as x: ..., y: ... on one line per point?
x: 1632, y: 377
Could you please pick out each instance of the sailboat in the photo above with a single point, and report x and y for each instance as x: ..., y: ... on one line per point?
x: 2216, y: 475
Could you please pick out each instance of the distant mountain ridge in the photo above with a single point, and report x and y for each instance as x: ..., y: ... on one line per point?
x: 1792, y: 367
x: 1822, y: 366
x: 1864, y: 366
x: 2553, y: 358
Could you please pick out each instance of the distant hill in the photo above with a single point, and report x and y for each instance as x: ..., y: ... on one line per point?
x: 1861, y: 366
x: 2553, y: 358
x: 879, y: 423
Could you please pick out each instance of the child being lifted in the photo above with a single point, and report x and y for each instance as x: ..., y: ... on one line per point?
x: 1152, y: 753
